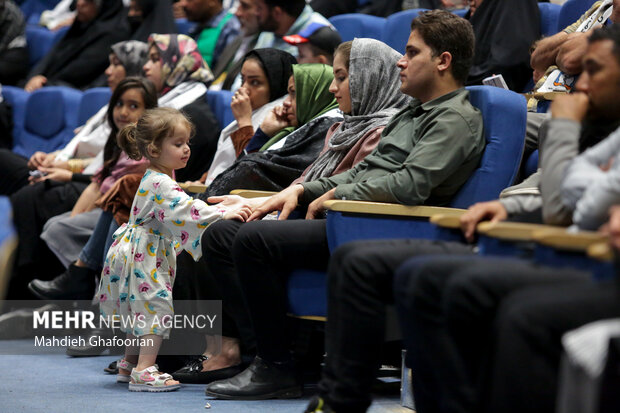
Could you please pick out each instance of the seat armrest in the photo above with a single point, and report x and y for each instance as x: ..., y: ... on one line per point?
x: 601, y: 251
x: 563, y: 240
x: 193, y: 188
x: 251, y: 193
x: 514, y: 231
x: 447, y: 221
x: 379, y: 208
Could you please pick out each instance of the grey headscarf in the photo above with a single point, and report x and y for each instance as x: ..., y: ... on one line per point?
x: 374, y: 85
x: 132, y: 55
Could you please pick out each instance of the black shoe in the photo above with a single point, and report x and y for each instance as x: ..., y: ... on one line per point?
x: 261, y: 380
x: 318, y: 405
x: 112, y: 368
x: 98, y: 337
x: 192, y: 372
x: 77, y: 283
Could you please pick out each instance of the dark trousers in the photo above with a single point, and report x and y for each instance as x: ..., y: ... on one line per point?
x: 13, y: 172
x: 448, y: 310
x: 251, y: 263
x: 360, y: 287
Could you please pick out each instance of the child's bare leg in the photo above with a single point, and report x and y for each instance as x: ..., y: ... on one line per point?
x: 223, y: 352
x: 131, y: 355
x: 148, y: 354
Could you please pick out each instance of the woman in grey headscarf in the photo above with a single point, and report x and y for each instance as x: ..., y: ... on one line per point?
x: 367, y: 88
x: 126, y: 59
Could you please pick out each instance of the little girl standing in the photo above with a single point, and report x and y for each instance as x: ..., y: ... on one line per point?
x: 139, y: 271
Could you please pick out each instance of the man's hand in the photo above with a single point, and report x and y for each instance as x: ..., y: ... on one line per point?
x: 242, y: 107
x: 284, y: 201
x: 35, y: 82
x: 275, y: 121
x: 315, y: 209
x: 573, y: 107
x: 492, y: 210
x: 571, y: 53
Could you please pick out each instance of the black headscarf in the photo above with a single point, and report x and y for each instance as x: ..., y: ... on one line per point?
x: 157, y: 17
x: 78, y: 58
x: 278, y: 67
x: 504, y: 30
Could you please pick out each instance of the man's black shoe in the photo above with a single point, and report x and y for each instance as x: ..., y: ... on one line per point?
x: 77, y: 283
x: 261, y: 380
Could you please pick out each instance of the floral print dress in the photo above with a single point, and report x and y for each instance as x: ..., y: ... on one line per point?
x: 139, y: 270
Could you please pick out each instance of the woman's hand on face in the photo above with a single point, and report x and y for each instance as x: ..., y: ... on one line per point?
x: 242, y: 107
x: 275, y: 121
x: 56, y: 174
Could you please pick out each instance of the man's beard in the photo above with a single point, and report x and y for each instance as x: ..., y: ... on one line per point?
x: 270, y: 25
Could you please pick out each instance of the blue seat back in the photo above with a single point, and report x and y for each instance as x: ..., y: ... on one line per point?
x: 398, y: 27
x: 33, y: 8
x: 184, y: 26
x: 51, y: 117
x: 8, y: 243
x: 460, y: 12
x: 93, y: 100
x: 504, y: 116
x: 549, y: 17
x: 40, y: 41
x: 354, y: 25
x: 531, y: 165
x: 571, y: 12
x: 219, y: 101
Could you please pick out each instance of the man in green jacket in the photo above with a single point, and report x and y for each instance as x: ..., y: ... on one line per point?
x: 426, y: 153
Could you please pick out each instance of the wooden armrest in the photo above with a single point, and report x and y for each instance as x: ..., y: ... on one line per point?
x: 514, y: 231
x: 601, y: 251
x: 194, y: 188
x: 379, y: 208
x: 251, y: 193
x: 544, y: 95
x: 447, y: 221
x: 579, y: 241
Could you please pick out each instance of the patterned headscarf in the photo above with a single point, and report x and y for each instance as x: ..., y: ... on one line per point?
x: 132, y: 55
x: 181, y: 60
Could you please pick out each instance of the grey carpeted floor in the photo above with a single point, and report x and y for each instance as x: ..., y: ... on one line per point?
x: 55, y: 383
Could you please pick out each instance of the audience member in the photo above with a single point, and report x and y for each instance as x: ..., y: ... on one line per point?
x: 369, y: 105
x: 150, y: 16
x: 278, y: 18
x: 289, y: 138
x: 423, y: 158
x: 265, y: 74
x: 80, y: 154
x: 181, y: 77
x: 77, y: 59
x: 316, y: 44
x: 229, y: 63
x: 13, y: 48
x: 216, y: 28
x: 497, y: 53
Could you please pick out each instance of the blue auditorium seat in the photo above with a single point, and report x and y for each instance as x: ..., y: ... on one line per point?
x: 34, y: 8
x: 184, y: 26
x: 354, y: 25
x: 219, y: 102
x: 549, y: 16
x: 571, y: 11
x: 531, y: 165
x: 460, y: 12
x: 8, y: 243
x: 504, y: 134
x: 50, y: 118
x: 398, y: 27
x: 92, y: 100
x: 40, y: 41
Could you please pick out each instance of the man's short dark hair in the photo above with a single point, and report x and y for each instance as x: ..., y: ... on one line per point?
x: 608, y: 33
x: 443, y: 31
x: 290, y: 7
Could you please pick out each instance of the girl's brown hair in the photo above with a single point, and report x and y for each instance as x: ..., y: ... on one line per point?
x: 344, y: 49
x: 152, y: 128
